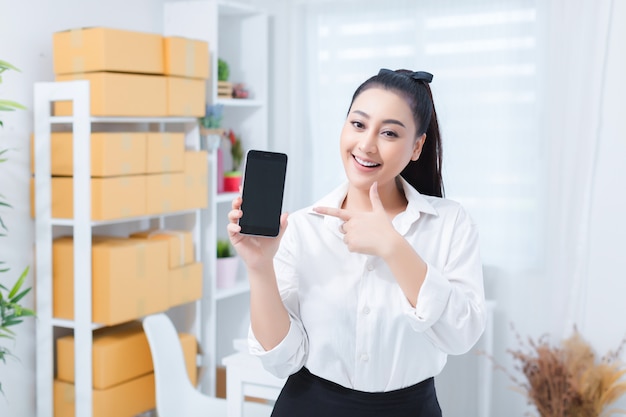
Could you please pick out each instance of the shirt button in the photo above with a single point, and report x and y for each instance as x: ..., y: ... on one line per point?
x: 370, y: 267
x: 366, y: 310
x: 364, y: 357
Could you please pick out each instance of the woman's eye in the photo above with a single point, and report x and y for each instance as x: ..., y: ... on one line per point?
x: 390, y: 134
x: 358, y: 124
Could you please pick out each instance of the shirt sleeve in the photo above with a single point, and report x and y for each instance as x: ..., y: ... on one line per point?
x: 290, y: 354
x: 450, y: 308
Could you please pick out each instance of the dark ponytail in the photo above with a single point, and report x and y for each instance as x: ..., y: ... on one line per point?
x: 425, y: 173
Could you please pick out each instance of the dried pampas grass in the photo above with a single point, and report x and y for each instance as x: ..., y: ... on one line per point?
x: 568, y: 380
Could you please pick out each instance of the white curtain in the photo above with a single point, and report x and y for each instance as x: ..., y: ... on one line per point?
x: 574, y: 85
x: 484, y: 55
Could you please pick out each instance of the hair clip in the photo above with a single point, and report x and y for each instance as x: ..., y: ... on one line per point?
x: 416, y: 75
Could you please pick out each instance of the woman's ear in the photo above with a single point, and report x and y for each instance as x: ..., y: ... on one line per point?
x: 417, y: 148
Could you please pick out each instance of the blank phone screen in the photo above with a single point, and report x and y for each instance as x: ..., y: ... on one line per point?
x: 264, y: 182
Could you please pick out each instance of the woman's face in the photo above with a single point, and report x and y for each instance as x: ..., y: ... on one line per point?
x: 378, y: 139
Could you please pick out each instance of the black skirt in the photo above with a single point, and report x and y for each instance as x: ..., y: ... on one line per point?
x: 307, y: 395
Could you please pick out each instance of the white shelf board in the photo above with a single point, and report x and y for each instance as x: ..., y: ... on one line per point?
x: 71, y: 324
x: 241, y: 287
x: 70, y: 222
x: 240, y: 102
x: 225, y: 197
x: 228, y: 8
x: 94, y: 119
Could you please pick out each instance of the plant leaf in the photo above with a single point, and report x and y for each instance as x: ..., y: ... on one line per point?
x: 19, y: 283
x: 5, y: 65
x: 21, y: 295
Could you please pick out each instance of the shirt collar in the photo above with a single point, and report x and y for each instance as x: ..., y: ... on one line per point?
x: 417, y: 204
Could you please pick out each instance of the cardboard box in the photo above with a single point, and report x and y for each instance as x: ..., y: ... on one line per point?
x: 186, y: 57
x: 185, y: 284
x: 120, y: 354
x: 196, y: 179
x: 165, y: 193
x: 124, y: 400
x: 186, y: 97
x: 112, y: 154
x: 165, y: 152
x: 180, y: 244
x: 118, y: 94
x: 104, y: 49
x: 111, y: 197
x: 129, y: 279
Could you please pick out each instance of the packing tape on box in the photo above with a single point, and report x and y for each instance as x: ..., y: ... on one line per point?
x: 125, y: 168
x: 76, y: 38
x: 78, y: 64
x: 166, y: 140
x: 127, y: 141
x: 141, y: 261
x: 178, y: 234
x: 69, y: 393
x: 190, y: 58
x: 141, y: 307
x: 166, y: 166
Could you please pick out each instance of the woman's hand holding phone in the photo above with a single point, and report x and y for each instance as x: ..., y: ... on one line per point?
x: 256, y: 252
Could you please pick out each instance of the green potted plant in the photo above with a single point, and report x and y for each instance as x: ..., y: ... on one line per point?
x: 224, y: 88
x: 227, y: 265
x: 12, y: 312
x: 232, y: 177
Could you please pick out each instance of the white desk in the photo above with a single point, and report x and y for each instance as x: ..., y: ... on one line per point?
x: 245, y: 376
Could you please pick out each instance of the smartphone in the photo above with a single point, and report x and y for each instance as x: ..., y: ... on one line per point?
x: 263, y: 189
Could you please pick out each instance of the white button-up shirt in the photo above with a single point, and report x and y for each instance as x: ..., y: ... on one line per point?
x: 350, y: 321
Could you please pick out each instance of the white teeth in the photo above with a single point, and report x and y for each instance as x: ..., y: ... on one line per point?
x: 365, y: 163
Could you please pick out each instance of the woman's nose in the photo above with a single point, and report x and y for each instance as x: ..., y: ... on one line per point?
x: 368, y: 142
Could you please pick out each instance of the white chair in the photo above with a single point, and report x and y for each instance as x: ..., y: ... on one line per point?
x: 175, y: 395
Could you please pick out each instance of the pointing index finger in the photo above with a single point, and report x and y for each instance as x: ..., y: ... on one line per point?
x: 333, y: 211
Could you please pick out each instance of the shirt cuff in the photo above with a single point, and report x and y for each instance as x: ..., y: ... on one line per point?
x: 281, y: 359
x: 431, y: 300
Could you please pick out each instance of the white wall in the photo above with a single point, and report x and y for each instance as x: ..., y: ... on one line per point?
x: 26, y: 29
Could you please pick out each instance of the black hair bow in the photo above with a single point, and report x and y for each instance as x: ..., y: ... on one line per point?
x: 416, y: 75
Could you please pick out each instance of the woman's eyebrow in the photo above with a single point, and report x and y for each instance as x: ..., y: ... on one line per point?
x: 386, y: 121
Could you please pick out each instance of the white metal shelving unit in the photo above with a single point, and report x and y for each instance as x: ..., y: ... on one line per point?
x: 82, y: 228
x: 239, y: 34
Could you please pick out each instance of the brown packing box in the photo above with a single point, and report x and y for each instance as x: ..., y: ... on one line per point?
x: 185, y: 284
x: 129, y: 279
x: 111, y: 154
x: 120, y: 354
x: 186, y: 57
x: 164, y: 193
x: 105, y: 49
x: 118, y: 94
x: 180, y: 244
x: 165, y: 152
x: 111, y: 198
x: 124, y: 400
x: 186, y: 97
x: 196, y: 179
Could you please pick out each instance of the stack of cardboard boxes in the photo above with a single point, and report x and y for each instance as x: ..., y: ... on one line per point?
x: 131, y: 74
x: 123, y: 374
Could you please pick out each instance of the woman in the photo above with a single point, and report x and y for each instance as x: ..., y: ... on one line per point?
x: 362, y: 297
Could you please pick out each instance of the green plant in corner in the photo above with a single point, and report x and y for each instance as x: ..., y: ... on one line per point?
x: 12, y: 312
x: 7, y: 105
x: 224, y: 249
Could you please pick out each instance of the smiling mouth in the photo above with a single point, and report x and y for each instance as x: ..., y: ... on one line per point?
x: 367, y: 164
